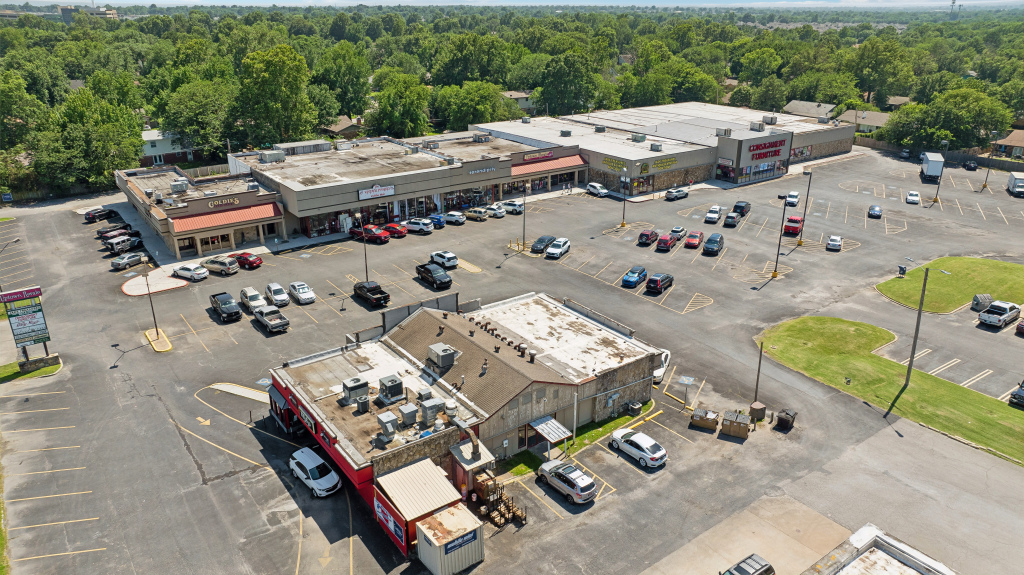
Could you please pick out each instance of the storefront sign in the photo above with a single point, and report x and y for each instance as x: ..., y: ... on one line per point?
x: 482, y: 171
x: 724, y: 162
x: 537, y: 156
x: 768, y: 154
x: 25, y: 314
x: 766, y: 150
x: 800, y: 152
x: 223, y: 202
x: 616, y: 165
x: 460, y: 542
x: 384, y: 517
x: 644, y: 168
x: 308, y: 419
x: 376, y: 192
x: 664, y: 163
x: 766, y: 146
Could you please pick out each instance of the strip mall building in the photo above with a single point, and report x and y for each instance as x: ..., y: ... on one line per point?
x: 321, y: 189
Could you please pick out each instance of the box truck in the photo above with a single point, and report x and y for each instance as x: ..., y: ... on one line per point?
x: 1016, y: 184
x: 931, y: 166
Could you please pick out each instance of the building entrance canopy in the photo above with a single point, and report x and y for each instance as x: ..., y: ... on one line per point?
x: 549, y: 428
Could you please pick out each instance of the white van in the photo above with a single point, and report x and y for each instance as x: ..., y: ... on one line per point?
x: 793, y: 198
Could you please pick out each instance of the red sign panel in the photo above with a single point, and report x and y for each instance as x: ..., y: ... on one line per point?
x: 27, y: 293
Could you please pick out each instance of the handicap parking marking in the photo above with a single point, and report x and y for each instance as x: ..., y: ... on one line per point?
x: 305, y: 256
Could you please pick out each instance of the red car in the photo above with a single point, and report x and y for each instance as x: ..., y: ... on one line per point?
x: 666, y: 241
x: 370, y: 234
x: 794, y: 224
x: 119, y: 233
x: 247, y: 260
x: 1020, y: 328
x: 694, y: 240
x: 647, y: 237
x: 396, y: 230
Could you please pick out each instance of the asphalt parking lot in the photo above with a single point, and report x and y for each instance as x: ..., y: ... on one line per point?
x: 129, y: 461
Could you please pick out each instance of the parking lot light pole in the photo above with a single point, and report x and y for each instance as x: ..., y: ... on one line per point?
x: 807, y: 202
x: 625, y: 175
x: 913, y: 346
x: 992, y: 138
x: 942, y: 170
x: 524, y: 219
x: 775, y: 272
x: 14, y: 241
x: 366, y: 260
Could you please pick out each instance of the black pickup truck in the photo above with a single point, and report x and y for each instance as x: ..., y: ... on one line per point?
x: 372, y: 293
x: 226, y: 307
x: 434, y: 275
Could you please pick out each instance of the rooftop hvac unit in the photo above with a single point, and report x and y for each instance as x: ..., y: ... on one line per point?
x: 655, y: 147
x: 267, y: 156
x: 450, y: 161
x: 757, y: 126
x: 391, y: 388
x: 723, y: 132
x: 149, y: 192
x: 429, y: 410
x: 599, y: 128
x: 770, y: 120
x: 252, y: 187
x: 442, y: 355
x: 408, y: 412
x: 431, y: 145
x: 526, y: 120
x: 344, y: 145
x: 388, y: 423
x: 481, y: 137
x: 822, y: 119
x: 424, y: 394
x: 639, y: 137
x: 210, y: 193
x: 178, y: 186
x: 354, y: 387
x: 158, y: 197
x: 362, y: 404
x: 566, y: 133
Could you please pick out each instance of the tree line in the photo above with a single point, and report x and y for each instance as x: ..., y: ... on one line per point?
x: 252, y: 77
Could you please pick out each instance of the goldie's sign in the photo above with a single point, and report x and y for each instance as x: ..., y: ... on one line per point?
x: 223, y: 202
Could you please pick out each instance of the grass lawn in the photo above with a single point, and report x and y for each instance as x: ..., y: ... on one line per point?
x: 831, y: 349
x: 10, y: 372
x: 6, y: 219
x: 968, y: 276
x: 522, y: 463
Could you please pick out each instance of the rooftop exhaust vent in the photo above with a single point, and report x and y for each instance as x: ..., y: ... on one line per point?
x: 599, y: 128
x: 770, y: 120
x: 566, y: 133
x: 726, y: 132
x: 655, y: 147
x: 639, y: 137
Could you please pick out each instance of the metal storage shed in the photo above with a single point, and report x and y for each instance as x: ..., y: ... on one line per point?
x: 450, y: 541
x: 412, y: 493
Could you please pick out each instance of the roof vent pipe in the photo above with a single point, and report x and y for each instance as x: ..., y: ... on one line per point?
x: 476, y: 444
x: 483, y: 368
x: 533, y: 355
x: 522, y: 351
x: 497, y: 349
x: 444, y: 314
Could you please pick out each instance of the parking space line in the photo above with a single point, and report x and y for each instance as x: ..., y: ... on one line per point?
x: 47, y: 471
x: 215, y: 445
x: 671, y: 430
x: 695, y: 255
x: 40, y: 429
x: 194, y: 333
x: 541, y: 499
x: 762, y: 227
x: 828, y: 209
x: 847, y: 216
x: 970, y: 184
x: 48, y: 449
x: 15, y: 265
x: 982, y: 212
x: 403, y: 271
x: 662, y: 302
x: 919, y: 355
x: 1004, y: 217
x: 47, y: 496
x: 616, y: 455
x: 34, y: 411
x: 54, y: 523
x: 310, y: 317
x: 27, y: 394
x: 944, y: 367
x: 1006, y: 395
x: 604, y: 268
x: 977, y: 378
x: 958, y: 206
x: 60, y: 554
x: 585, y: 263
x: 719, y: 259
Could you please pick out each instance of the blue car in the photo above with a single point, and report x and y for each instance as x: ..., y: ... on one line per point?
x: 634, y: 277
x: 437, y: 220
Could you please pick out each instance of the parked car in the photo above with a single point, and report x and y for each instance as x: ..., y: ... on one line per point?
x: 658, y: 283
x: 123, y: 232
x: 558, y: 248
x: 667, y: 242
x: 1020, y: 328
x: 445, y: 259
x: 301, y: 292
x: 434, y: 275
x: 438, y: 221
x: 999, y: 313
x: 676, y: 194
x: 742, y: 208
x: 921, y: 156
x: 905, y: 153
x: 695, y: 239
x: 276, y: 295
x: 125, y: 261
x: 541, y: 244
x: 634, y: 277
x: 99, y: 214
x: 419, y: 225
x: 577, y: 486
x: 731, y: 219
x: 226, y: 307
x: 639, y: 446
x: 913, y: 198
x: 713, y: 215
x: 1017, y: 396
x: 271, y: 318
x: 793, y: 199
x: 647, y: 237
x: 194, y: 272
x: 112, y: 228
x: 514, y: 206
x: 875, y: 212
x: 221, y: 264
x: 456, y: 218
x: 477, y: 214
x: 122, y: 244
x: 247, y: 261
x: 495, y: 211
x: 370, y: 233
x: 372, y: 293
x: 715, y: 244
x: 314, y: 472
x: 793, y: 225
x: 752, y: 565
x: 251, y: 299
x: 971, y: 165
x: 834, y: 243
x: 658, y: 375
x: 596, y: 189
x: 679, y: 231
x: 396, y: 230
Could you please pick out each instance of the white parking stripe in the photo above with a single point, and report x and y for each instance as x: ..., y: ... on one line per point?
x: 944, y: 366
x: 919, y: 355
x: 977, y: 378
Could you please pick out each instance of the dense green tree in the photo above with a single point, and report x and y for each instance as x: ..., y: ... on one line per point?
x: 325, y: 104
x: 197, y: 114
x: 964, y: 117
x: 272, y: 104
x: 345, y: 70
x: 770, y: 95
x: 743, y: 95
x: 1012, y: 94
x: 759, y: 64
x: 470, y: 57
x: 19, y: 110
x: 568, y: 85
x: 528, y: 73
x: 401, y: 110
x: 882, y: 65
x: 117, y: 88
x: 472, y: 103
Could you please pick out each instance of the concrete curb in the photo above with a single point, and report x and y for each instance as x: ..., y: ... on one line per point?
x: 160, y: 336
x: 59, y: 369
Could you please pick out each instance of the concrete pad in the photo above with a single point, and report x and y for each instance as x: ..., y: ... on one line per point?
x: 790, y: 535
x: 158, y: 340
x: 242, y: 391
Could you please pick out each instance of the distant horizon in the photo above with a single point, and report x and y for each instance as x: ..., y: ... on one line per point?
x: 810, y: 5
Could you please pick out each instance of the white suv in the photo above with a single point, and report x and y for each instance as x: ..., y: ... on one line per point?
x: 596, y: 189
x: 713, y: 215
x: 566, y: 479
x: 422, y: 225
x: 495, y: 211
x: 513, y: 206
x: 445, y: 259
x: 309, y: 468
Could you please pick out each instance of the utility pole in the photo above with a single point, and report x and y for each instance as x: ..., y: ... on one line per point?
x: 775, y: 272
x: 807, y: 202
x: 229, y: 145
x: 757, y: 382
x: 942, y: 170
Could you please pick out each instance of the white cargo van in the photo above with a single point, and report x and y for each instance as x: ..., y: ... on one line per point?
x: 1015, y: 185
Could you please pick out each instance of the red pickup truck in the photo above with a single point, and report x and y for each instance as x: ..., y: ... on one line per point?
x: 370, y: 234
x: 794, y: 224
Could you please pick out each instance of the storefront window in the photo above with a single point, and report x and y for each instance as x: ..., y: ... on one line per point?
x: 316, y: 225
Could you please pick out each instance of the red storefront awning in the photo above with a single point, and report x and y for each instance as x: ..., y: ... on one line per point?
x: 226, y: 217
x: 546, y: 165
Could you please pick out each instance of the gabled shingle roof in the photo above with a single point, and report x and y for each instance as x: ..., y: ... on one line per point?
x: 808, y: 109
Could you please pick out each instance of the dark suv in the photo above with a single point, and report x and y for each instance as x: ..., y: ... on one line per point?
x: 658, y: 283
x: 753, y: 565
x: 714, y: 244
x: 742, y: 208
x: 647, y: 237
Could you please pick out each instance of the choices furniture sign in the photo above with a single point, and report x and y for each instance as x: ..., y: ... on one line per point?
x: 25, y: 314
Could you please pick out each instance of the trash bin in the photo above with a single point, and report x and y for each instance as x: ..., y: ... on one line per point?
x: 786, y: 419
x: 736, y: 424
x: 635, y: 408
x: 705, y: 418
x: 981, y: 302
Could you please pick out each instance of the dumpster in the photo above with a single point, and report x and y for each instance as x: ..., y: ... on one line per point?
x: 705, y: 418
x: 981, y: 302
x: 736, y: 424
x: 786, y: 419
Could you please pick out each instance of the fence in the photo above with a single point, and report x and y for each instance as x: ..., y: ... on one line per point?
x: 598, y: 317
x: 364, y: 335
x: 953, y: 156
x: 203, y: 171
x: 393, y: 317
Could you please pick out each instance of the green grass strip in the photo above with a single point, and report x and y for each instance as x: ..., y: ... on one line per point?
x: 967, y: 277
x: 10, y: 372
x: 831, y: 349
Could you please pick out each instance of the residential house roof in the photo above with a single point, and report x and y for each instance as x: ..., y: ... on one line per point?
x: 808, y: 109
x: 1015, y: 139
x: 517, y: 94
x: 864, y: 117
x: 897, y: 101
x: 343, y: 124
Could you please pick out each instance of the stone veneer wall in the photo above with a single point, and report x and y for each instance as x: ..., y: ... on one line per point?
x: 827, y: 149
x: 674, y: 178
x: 436, y: 447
